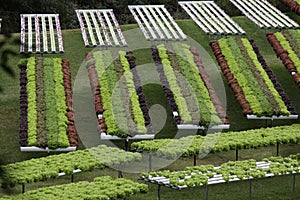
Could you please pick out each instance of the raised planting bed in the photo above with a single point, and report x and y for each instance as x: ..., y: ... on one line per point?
x: 188, y: 89
x: 194, y: 145
x: 205, y: 175
x: 256, y: 88
x: 101, y: 188
x: 120, y: 104
x: 46, y: 106
x: 54, y: 166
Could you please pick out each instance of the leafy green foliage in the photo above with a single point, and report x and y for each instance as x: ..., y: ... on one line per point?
x: 102, y: 188
x: 199, y: 175
x: 172, y: 80
x: 48, y: 167
x: 191, y: 73
x: 282, y: 107
x: 56, y: 121
x: 285, y: 44
x: 31, y: 98
x: 253, y: 91
x: 192, y: 145
x: 135, y: 105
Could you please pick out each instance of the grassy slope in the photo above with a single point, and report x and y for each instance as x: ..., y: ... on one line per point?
x: 277, y: 188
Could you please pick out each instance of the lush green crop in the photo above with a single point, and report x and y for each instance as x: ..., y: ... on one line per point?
x: 172, y: 80
x: 102, y: 188
x: 39, y: 169
x: 193, y: 145
x: 285, y: 44
x: 191, y: 73
x: 199, y: 175
x: 282, y: 109
x: 31, y: 98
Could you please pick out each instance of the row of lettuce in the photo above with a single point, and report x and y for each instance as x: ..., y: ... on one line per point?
x: 39, y: 169
x: 101, y: 188
x: 195, y: 145
x: 252, y: 81
x: 120, y: 103
x: 187, y: 86
x: 46, y: 113
x: 286, y: 45
x: 238, y: 170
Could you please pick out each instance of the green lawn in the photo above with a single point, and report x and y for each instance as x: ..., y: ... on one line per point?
x: 271, y: 188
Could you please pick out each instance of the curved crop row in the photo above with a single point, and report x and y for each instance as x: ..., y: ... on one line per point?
x: 193, y: 145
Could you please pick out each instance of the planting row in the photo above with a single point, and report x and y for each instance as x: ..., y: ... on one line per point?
x: 46, y: 114
x: 187, y: 86
x: 120, y: 104
x: 253, y: 83
x: 227, y: 172
x: 287, y: 47
x: 193, y: 145
x: 101, y: 188
x: 293, y: 5
x: 39, y: 169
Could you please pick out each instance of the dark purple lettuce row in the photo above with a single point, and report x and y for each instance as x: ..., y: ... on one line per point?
x: 166, y: 87
x: 271, y: 75
x: 139, y: 90
x: 23, y: 135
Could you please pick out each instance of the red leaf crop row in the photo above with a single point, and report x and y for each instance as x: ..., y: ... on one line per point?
x: 238, y: 91
x: 281, y: 52
x: 284, y: 56
x: 71, y: 130
x: 95, y: 86
x: 292, y: 5
x: 213, y: 95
